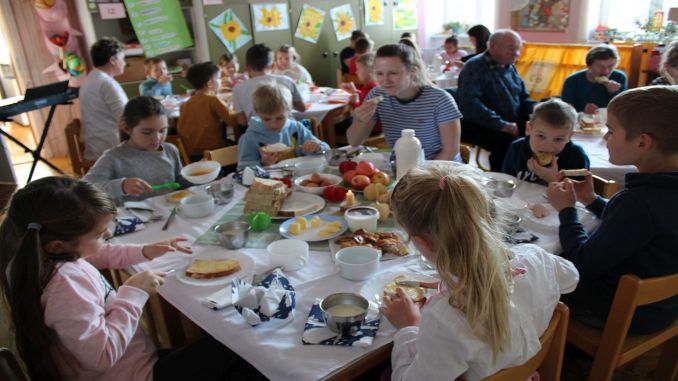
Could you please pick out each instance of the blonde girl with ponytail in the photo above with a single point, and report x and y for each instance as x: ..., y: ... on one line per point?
x: 493, y: 302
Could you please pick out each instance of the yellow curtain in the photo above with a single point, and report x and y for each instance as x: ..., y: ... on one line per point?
x: 544, y: 67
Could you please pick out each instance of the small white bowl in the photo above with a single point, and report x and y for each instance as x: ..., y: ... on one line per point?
x: 201, y: 172
x: 307, y: 167
x: 357, y: 262
x: 336, y: 180
x: 197, y: 206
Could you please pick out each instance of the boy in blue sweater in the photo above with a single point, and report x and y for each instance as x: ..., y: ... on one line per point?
x: 638, y: 233
x: 158, y: 81
x: 548, y: 135
x: 272, y: 103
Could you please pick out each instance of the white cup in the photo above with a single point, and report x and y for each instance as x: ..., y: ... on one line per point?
x: 292, y: 254
x: 357, y: 262
x: 197, y: 206
x: 362, y: 217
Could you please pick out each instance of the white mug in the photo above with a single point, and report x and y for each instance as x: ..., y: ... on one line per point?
x: 197, y: 206
x: 357, y: 262
x: 292, y: 254
x: 362, y: 217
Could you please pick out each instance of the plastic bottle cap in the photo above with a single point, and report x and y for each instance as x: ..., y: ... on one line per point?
x: 407, y: 133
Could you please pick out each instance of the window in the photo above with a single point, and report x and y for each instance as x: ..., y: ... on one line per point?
x: 622, y: 14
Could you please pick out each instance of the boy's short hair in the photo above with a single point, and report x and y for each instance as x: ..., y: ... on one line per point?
x: 670, y: 55
x: 225, y: 58
x: 601, y: 52
x: 649, y: 110
x: 366, y: 59
x: 356, y: 34
x: 556, y: 113
x: 199, y: 74
x: 452, y: 40
x: 271, y: 97
x: 259, y: 57
x: 406, y: 35
x: 150, y: 62
x: 363, y: 45
x: 104, y: 49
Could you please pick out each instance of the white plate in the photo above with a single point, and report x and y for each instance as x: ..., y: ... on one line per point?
x: 375, y: 286
x: 336, y: 180
x: 381, y: 160
x: 552, y: 220
x: 312, y: 234
x: 411, y: 250
x: 299, y: 200
x: 300, y: 159
x: 246, y: 268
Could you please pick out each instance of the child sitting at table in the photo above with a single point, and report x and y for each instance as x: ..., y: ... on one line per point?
x: 229, y: 71
x: 70, y: 322
x: 127, y: 170
x: 158, y: 82
x: 273, y: 104
x: 365, y: 73
x: 362, y: 46
x: 638, y: 231
x: 286, y: 58
x: 451, y: 51
x: 259, y: 61
x: 201, y: 119
x: 493, y: 303
x: 547, y: 148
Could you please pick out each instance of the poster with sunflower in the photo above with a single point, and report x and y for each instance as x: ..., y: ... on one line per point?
x: 230, y: 30
x: 270, y: 17
x: 343, y: 21
x: 405, y: 15
x: 310, y: 23
x: 374, y: 12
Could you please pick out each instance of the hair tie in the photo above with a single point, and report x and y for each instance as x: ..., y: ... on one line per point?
x: 34, y: 225
x: 441, y: 182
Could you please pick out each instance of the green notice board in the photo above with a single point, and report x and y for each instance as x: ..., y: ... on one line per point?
x: 159, y: 25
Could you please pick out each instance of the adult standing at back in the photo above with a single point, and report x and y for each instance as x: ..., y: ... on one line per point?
x: 478, y: 35
x: 102, y: 98
x: 405, y: 99
x: 493, y: 97
x: 594, y: 87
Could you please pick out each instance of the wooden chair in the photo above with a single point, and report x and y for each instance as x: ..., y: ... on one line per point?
x: 176, y: 140
x: 225, y: 156
x: 604, y: 188
x: 465, y: 153
x: 611, y: 348
x: 76, y: 148
x: 478, y: 150
x: 10, y: 370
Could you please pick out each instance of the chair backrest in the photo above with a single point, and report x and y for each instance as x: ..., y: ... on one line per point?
x: 176, y: 140
x: 549, y: 359
x: 225, y: 156
x: 465, y: 153
x: 9, y: 367
x: 604, y: 188
x: 76, y: 149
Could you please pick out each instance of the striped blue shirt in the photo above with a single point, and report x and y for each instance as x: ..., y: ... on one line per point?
x: 428, y: 110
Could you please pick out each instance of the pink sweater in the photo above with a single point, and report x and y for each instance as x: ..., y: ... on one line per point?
x: 97, y: 327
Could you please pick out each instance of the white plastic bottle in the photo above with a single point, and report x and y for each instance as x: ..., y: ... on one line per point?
x: 408, y: 153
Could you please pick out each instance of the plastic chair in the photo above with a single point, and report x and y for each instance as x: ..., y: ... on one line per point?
x: 9, y: 367
x: 604, y: 188
x: 611, y: 348
x: 76, y: 148
x: 176, y: 140
x: 225, y: 156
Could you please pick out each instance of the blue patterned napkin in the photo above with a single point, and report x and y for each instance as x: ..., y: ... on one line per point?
x: 520, y: 236
x: 273, y: 298
x: 316, y: 331
x: 127, y: 224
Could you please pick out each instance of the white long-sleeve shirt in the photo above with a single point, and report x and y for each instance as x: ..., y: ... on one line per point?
x: 102, y: 101
x: 444, y: 347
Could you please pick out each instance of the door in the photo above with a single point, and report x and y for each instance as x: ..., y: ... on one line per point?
x: 272, y: 38
x: 215, y: 47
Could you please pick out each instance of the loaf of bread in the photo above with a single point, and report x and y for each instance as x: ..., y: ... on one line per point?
x: 266, y: 196
x: 212, y: 268
x: 417, y: 294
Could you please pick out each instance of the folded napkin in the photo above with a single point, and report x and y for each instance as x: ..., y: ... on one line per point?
x: 316, y: 331
x: 246, y: 175
x: 273, y: 298
x: 127, y: 224
x: 520, y: 236
x: 220, y: 299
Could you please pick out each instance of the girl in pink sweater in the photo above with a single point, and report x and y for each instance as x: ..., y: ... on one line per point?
x: 70, y: 323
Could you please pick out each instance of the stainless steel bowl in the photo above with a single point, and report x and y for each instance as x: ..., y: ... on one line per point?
x: 221, y: 192
x: 512, y: 222
x: 502, y: 188
x: 344, y: 312
x: 232, y: 235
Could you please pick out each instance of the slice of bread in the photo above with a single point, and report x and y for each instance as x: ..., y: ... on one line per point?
x: 543, y: 158
x: 212, y: 268
x: 376, y: 99
x: 276, y: 147
x: 417, y: 294
x: 602, y: 79
x: 574, y: 172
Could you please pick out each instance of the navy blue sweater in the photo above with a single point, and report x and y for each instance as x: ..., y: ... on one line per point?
x: 638, y: 234
x: 515, y: 163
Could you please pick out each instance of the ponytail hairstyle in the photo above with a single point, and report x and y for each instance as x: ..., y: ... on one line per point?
x: 441, y: 202
x: 410, y: 58
x: 136, y: 110
x: 48, y: 209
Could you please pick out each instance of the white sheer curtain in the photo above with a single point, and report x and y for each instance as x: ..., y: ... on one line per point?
x: 622, y: 14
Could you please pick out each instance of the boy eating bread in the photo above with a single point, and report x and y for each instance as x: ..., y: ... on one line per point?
x: 547, y: 148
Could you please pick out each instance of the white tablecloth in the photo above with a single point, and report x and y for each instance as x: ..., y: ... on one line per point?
x: 596, y: 149
x: 276, y: 349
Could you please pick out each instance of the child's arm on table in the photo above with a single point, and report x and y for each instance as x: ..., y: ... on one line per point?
x: 112, y: 256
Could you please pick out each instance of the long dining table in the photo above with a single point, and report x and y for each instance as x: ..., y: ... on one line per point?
x: 275, y: 348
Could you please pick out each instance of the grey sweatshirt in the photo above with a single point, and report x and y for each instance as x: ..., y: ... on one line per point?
x: 122, y: 161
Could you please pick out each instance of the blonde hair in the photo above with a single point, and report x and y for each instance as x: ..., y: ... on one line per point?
x: 270, y: 98
x: 458, y: 216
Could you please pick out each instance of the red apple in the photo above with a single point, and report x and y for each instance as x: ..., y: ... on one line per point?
x: 380, y: 177
x: 347, y: 165
x: 349, y: 175
x: 366, y: 168
x: 360, y: 182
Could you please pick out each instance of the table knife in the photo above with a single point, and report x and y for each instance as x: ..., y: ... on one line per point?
x: 170, y: 218
x: 416, y: 283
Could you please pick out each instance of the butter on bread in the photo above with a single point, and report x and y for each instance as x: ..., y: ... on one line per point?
x: 276, y: 147
x: 212, y: 268
x: 543, y: 158
x: 574, y: 172
x: 376, y: 99
x: 175, y: 197
x: 417, y: 294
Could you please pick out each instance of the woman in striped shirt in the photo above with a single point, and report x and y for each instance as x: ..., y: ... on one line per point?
x: 408, y: 100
